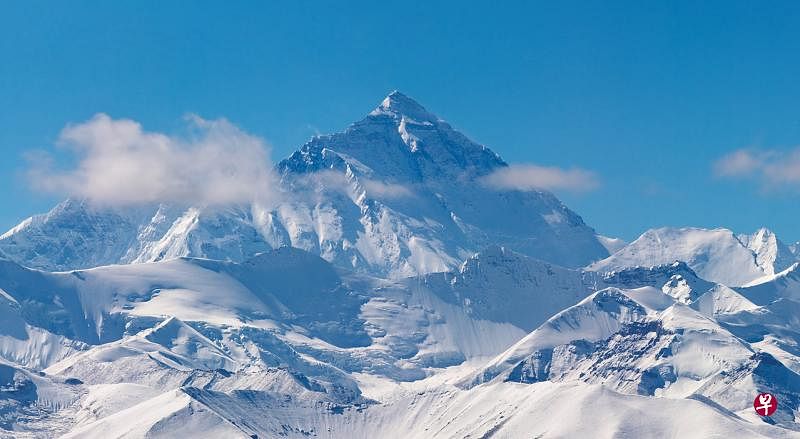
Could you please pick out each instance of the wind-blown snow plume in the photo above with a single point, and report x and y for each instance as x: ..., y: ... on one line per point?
x: 529, y: 177
x: 770, y: 167
x: 381, y: 190
x: 338, y: 182
x: 120, y: 163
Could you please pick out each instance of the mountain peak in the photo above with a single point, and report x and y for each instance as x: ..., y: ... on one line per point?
x: 400, y: 105
x: 772, y: 254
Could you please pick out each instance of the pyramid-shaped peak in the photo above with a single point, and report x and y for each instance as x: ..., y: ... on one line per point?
x: 400, y: 105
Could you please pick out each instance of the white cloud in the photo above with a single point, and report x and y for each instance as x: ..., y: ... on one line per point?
x: 119, y: 163
x: 771, y: 168
x: 321, y: 181
x: 534, y: 177
x: 380, y: 190
x: 337, y: 181
x: 738, y: 163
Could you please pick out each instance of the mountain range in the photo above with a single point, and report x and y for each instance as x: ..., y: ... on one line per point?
x: 390, y: 292
x: 384, y: 197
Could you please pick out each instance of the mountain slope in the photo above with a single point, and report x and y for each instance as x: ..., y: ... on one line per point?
x: 500, y: 285
x: 644, y: 342
x: 772, y: 255
x: 286, y: 321
x: 500, y: 410
x: 717, y: 255
x: 285, y: 344
x: 406, y: 170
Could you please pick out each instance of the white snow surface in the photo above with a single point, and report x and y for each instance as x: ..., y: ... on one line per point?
x: 287, y: 345
x: 613, y: 245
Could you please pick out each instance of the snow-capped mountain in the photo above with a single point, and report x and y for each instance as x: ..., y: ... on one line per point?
x: 208, y: 347
x: 384, y: 197
x: 718, y: 255
x: 772, y: 255
x: 641, y: 341
x: 284, y: 322
x: 389, y: 293
x: 784, y: 285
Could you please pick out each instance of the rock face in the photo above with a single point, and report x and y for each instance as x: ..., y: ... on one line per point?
x: 398, y: 193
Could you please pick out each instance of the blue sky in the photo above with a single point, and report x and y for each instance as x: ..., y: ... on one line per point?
x: 647, y: 95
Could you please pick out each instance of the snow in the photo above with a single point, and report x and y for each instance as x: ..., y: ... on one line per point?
x: 513, y: 410
x: 239, y: 320
x: 717, y: 255
x: 722, y: 300
x: 163, y: 416
x: 613, y: 245
x: 771, y: 254
x: 389, y: 295
x: 385, y: 197
x: 104, y: 400
x: 502, y: 410
x: 207, y: 365
x: 189, y: 342
x: 593, y: 319
x: 499, y: 284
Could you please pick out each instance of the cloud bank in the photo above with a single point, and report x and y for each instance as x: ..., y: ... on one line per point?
x: 118, y: 163
x: 527, y: 177
x: 772, y: 168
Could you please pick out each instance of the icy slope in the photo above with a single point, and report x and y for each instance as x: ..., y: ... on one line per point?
x: 772, y: 255
x: 34, y: 399
x: 429, y: 214
x: 717, y: 255
x: 284, y: 345
x: 500, y: 285
x: 785, y: 284
x: 642, y: 341
x: 72, y: 234
x: 676, y: 280
x: 286, y: 322
x: 290, y: 291
x: 398, y: 193
x: 76, y: 235
x: 595, y: 318
x: 505, y: 410
x: 611, y: 244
